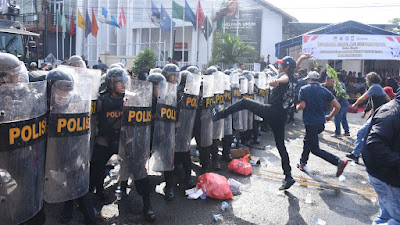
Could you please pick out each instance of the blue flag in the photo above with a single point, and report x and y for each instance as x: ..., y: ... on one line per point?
x: 165, y: 21
x: 88, y: 24
x: 155, y: 14
x: 104, y: 12
x: 189, y: 15
x: 108, y: 18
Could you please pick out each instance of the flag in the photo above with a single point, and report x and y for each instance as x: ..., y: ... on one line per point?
x: 72, y: 26
x: 189, y: 15
x: 64, y: 26
x: 88, y: 24
x: 122, y: 21
x: 206, y: 27
x: 165, y: 21
x: 108, y: 18
x: 200, y: 15
x: 59, y: 18
x: 81, y: 21
x: 95, y: 28
x: 229, y: 8
x: 177, y: 11
x: 155, y: 14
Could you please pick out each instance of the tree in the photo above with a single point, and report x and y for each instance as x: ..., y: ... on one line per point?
x: 145, y: 58
x: 230, y: 50
x: 396, y: 21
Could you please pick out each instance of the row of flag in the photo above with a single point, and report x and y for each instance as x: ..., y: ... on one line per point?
x: 159, y: 18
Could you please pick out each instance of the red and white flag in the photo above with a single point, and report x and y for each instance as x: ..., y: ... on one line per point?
x: 122, y: 21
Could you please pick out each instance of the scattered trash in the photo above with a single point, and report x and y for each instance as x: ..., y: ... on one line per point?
x: 352, y: 163
x: 373, y: 200
x: 224, y: 206
x: 218, y: 217
x: 234, y: 185
x: 203, y: 196
x: 297, y: 139
x: 363, y: 182
x: 118, y: 194
x: 293, y: 124
x: 319, y: 222
x: 268, y: 147
x: 194, y: 193
x: 266, y: 164
x: 342, y: 178
x: 308, y: 199
x: 280, y: 193
x: 216, y: 186
x: 287, y: 139
x: 351, y: 141
x: 197, y: 153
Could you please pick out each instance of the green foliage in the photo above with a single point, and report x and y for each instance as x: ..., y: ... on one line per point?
x: 145, y: 58
x: 229, y: 50
x: 396, y: 21
x: 337, y: 86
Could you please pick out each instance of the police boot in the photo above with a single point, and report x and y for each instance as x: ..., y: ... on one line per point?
x: 147, y: 211
x: 170, y: 184
x: 123, y: 187
x: 214, y: 156
x: 66, y: 214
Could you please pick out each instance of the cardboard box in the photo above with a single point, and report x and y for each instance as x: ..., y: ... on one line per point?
x: 239, y: 153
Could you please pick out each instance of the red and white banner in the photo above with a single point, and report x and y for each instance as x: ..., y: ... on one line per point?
x: 352, y: 46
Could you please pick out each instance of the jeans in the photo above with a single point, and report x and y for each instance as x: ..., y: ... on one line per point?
x: 311, y: 145
x: 389, y: 202
x: 361, y: 136
x: 274, y: 116
x: 341, y: 117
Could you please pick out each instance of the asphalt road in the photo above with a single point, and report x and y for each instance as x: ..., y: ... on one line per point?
x: 335, y: 201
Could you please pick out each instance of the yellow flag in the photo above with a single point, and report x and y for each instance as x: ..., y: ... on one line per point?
x: 81, y: 21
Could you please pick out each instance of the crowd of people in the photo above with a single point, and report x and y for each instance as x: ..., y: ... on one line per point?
x: 81, y: 117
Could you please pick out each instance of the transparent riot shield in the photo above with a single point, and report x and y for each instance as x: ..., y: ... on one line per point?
x: 250, y: 95
x: 244, y: 88
x: 187, y: 113
x: 206, y: 133
x: 68, y: 152
x: 236, y: 96
x: 23, y: 127
x: 228, y: 102
x: 163, y: 145
x: 259, y: 96
x: 134, y: 144
x: 219, y: 99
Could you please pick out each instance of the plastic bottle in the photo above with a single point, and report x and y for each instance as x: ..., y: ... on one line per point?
x: 224, y: 206
x: 308, y: 199
x: 118, y: 194
x: 240, y: 163
x: 203, y: 196
x: 218, y: 217
x: 197, y: 153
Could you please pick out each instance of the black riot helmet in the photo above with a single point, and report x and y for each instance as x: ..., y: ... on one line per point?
x: 156, y: 78
x: 227, y: 72
x: 194, y: 70
x: 114, y: 76
x: 76, y: 61
x: 211, y: 70
x: 115, y: 65
x: 156, y: 70
x: 248, y: 74
x: 171, y: 73
x: 59, y: 86
x: 184, y: 75
x: 12, y: 70
x: 218, y: 68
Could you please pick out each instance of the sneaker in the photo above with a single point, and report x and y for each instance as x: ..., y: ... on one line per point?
x: 353, y: 157
x: 214, y: 111
x: 340, y: 167
x: 302, y: 166
x: 287, y: 183
x: 347, y: 134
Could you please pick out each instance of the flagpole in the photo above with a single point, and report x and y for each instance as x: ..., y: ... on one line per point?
x: 237, y: 22
x: 197, y: 32
x: 183, y: 35
x: 159, y: 47
x: 70, y: 36
x: 170, y: 38
x: 56, y: 29
x: 63, y: 35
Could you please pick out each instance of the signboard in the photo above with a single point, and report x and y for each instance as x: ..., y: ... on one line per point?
x: 352, y: 46
x: 248, y: 27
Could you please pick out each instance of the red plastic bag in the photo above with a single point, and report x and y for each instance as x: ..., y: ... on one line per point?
x: 241, y: 166
x: 215, y: 186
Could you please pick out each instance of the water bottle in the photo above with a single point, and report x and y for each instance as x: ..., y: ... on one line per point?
x: 197, y: 153
x: 118, y: 194
x: 240, y: 163
x: 224, y: 206
x: 218, y: 217
x: 203, y: 196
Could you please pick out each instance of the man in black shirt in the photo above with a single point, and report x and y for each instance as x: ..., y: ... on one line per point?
x: 263, y: 64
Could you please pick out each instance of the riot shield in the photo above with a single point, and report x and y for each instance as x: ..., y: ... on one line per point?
x: 163, y: 144
x: 206, y: 134
x: 187, y: 113
x: 228, y: 101
x: 250, y: 95
x: 134, y: 144
x: 68, y: 152
x: 94, y: 78
x: 23, y: 127
x: 219, y: 99
x: 259, y: 96
x: 236, y: 95
x: 244, y: 87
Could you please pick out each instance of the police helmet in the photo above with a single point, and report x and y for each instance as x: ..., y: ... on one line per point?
x: 218, y: 68
x: 227, y: 72
x: 211, y: 70
x: 12, y: 70
x: 239, y: 70
x: 59, y: 81
x: 171, y: 73
x: 194, y: 70
x: 248, y: 74
x: 156, y: 78
x: 76, y: 61
x: 115, y: 65
x: 184, y: 75
x: 114, y: 76
x: 156, y: 70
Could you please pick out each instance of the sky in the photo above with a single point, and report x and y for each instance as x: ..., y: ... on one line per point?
x: 322, y: 11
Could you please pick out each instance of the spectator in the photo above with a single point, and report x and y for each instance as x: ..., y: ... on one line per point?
x: 382, y: 160
x: 241, y: 66
x: 33, y: 66
x: 86, y: 62
x: 95, y: 67
x: 263, y: 64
